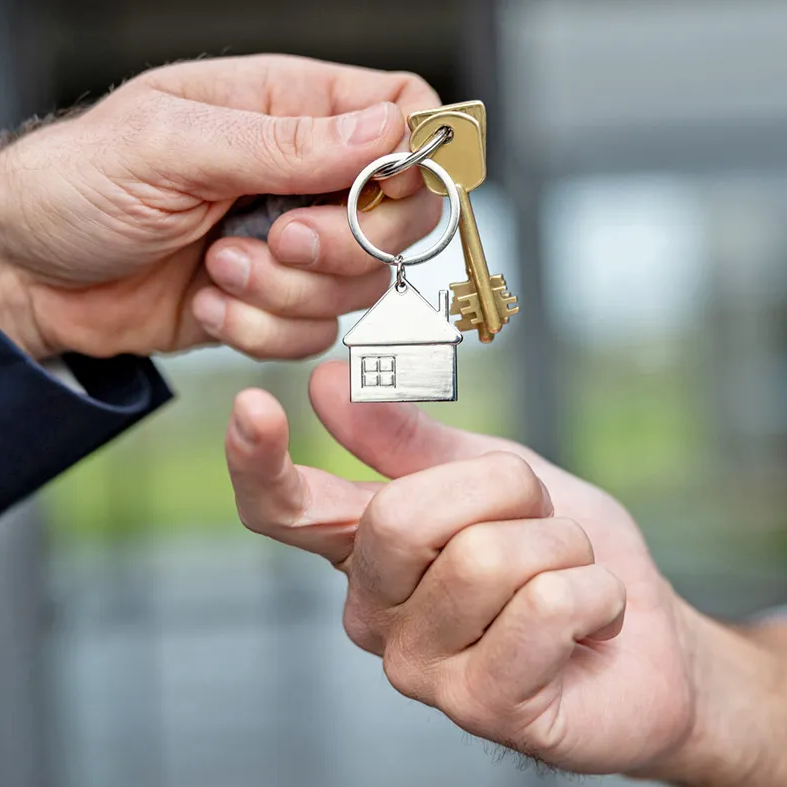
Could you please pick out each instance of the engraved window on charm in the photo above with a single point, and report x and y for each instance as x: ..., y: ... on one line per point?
x: 378, y: 371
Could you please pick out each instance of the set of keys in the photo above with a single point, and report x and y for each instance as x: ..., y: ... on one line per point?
x: 483, y: 301
x: 404, y: 349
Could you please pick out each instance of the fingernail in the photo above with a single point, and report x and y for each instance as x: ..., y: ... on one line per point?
x: 361, y: 128
x: 298, y: 244
x: 549, y: 508
x: 209, y: 309
x: 233, y: 268
x: 243, y: 432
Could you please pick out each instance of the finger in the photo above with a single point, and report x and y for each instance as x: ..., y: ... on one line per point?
x: 267, y: 485
x: 235, y: 152
x: 320, y: 238
x: 299, y: 506
x: 256, y: 332
x: 288, y: 85
x: 537, y: 633
x: 395, y: 439
x: 478, y: 573
x: 293, y: 86
x: 409, y: 521
x: 412, y: 94
x: 245, y: 269
x: 398, y: 438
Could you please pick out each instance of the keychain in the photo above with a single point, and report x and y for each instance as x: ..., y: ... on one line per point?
x: 403, y: 349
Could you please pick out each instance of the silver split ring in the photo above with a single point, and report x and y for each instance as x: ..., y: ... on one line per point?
x: 397, y: 259
x: 443, y: 135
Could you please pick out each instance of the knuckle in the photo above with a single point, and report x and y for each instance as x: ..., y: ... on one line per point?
x: 289, y: 139
x: 364, y: 578
x: 474, y: 558
x: 410, y: 77
x: 256, y: 342
x: 383, y: 517
x: 468, y: 702
x: 408, y: 663
x: 396, y: 671
x: 511, y: 464
x: 357, y: 626
x: 513, y: 472
x: 403, y: 672
x: 549, y: 595
x: 284, y: 294
x: 417, y: 84
x: 260, y: 334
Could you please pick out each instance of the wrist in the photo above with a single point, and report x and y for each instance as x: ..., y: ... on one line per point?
x: 740, y: 723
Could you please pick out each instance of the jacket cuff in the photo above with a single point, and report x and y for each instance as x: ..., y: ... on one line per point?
x: 46, y: 426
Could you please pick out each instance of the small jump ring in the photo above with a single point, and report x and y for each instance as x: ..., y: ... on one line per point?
x: 439, y: 138
x: 401, y: 277
x: 394, y: 259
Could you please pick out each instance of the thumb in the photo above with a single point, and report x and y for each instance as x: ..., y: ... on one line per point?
x: 308, y: 155
x: 221, y: 153
x: 396, y: 439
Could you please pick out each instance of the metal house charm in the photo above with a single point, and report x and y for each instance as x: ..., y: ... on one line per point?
x: 403, y: 350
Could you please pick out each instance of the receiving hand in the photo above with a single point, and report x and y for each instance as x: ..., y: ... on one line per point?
x: 495, y: 586
x: 107, y: 218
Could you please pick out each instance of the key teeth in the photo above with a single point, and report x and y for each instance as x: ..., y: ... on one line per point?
x: 506, y: 302
x: 465, y: 303
x: 468, y: 321
x: 462, y: 289
x: 457, y: 308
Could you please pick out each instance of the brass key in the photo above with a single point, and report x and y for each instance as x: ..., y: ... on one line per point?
x: 483, y: 301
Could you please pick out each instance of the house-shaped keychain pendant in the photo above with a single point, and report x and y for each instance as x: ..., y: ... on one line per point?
x: 403, y: 350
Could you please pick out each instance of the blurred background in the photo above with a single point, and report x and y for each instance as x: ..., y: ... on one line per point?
x: 636, y: 202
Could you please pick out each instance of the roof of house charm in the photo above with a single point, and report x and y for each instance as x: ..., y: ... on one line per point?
x: 403, y: 350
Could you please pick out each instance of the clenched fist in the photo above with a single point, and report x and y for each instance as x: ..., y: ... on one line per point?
x: 516, y: 598
x: 107, y: 218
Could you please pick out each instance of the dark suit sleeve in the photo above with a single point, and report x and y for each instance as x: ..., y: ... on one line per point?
x: 45, y: 427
